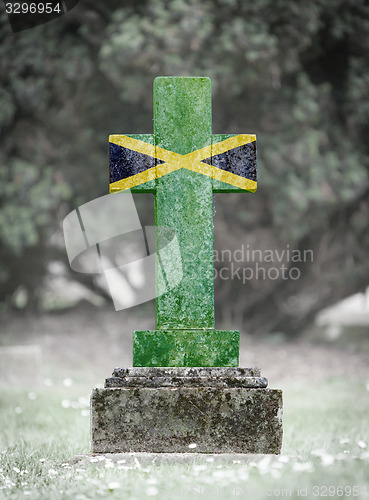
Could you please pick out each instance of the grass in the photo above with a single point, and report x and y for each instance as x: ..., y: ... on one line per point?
x: 325, y: 451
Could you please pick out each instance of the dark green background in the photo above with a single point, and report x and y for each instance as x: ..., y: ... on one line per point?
x: 294, y: 73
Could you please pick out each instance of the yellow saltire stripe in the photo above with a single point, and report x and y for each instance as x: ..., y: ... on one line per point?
x: 191, y: 161
x: 135, y: 144
x: 134, y: 180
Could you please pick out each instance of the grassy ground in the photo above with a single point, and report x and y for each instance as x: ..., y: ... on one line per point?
x: 325, y: 451
x: 326, y: 425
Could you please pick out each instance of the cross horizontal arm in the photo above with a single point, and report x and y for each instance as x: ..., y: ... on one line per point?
x: 132, y: 163
x: 230, y: 161
x: 234, y: 161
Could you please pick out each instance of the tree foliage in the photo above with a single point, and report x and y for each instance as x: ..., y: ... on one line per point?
x: 295, y: 73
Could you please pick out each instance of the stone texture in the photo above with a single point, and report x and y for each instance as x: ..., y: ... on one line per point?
x: 186, y: 372
x: 252, y: 382
x: 217, y: 420
x: 186, y: 377
x: 186, y: 348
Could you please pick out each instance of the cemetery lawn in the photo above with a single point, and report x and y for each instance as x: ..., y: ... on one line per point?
x: 326, y: 433
x: 326, y: 444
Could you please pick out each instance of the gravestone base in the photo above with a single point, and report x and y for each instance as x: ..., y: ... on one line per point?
x: 183, y: 348
x: 179, y: 410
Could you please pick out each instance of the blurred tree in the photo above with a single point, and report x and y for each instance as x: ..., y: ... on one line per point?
x: 296, y: 74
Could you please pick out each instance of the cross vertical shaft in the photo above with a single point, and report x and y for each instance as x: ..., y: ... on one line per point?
x: 184, y: 201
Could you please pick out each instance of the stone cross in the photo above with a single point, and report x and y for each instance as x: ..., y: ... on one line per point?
x: 183, y: 164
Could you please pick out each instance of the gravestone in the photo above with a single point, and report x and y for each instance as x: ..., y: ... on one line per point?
x: 185, y: 391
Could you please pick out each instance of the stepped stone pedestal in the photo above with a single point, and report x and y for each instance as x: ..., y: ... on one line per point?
x: 165, y: 410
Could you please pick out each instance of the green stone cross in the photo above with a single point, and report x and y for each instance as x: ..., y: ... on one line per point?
x: 183, y: 164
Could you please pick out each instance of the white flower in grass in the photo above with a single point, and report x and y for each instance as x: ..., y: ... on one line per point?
x: 327, y: 460
x: 67, y: 382
x: 121, y: 461
x: 18, y: 410
x: 303, y: 467
x: 65, y: 403
x: 218, y: 473
x: 152, y: 480
x: 192, y: 446
x: 152, y: 491
x: 114, y: 485
x: 15, y: 469
x: 42, y: 460
x: 264, y: 464
x: 243, y: 474
x: 85, y: 413
x: 32, y: 396
x: 52, y: 472
x: 199, y: 467
x: 344, y: 440
x: 83, y: 401
x: 210, y: 459
x: 275, y: 473
x: 318, y: 453
x: 109, y: 465
x: 341, y: 456
x: 361, y: 444
x: 26, y: 492
x: 225, y: 475
x: 94, y: 459
x: 277, y: 465
x: 8, y: 482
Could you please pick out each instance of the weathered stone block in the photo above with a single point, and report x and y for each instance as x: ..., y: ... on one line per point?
x: 168, y: 419
x: 189, y: 377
